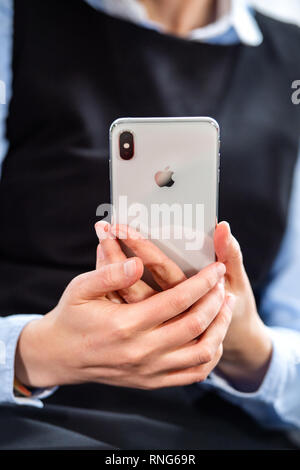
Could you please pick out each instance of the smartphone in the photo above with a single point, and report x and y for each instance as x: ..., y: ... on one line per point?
x: 164, y: 176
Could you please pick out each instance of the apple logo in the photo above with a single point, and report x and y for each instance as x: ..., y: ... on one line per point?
x: 164, y: 178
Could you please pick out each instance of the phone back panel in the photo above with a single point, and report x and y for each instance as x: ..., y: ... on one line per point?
x: 173, y: 179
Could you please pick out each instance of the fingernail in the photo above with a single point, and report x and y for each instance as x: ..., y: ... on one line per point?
x: 230, y: 301
x: 223, y: 222
x: 221, y: 269
x: 228, y: 226
x: 102, y: 230
x: 114, y: 298
x: 130, y: 267
x: 222, y: 280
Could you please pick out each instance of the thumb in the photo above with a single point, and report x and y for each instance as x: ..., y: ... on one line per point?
x: 111, y: 277
x: 228, y: 251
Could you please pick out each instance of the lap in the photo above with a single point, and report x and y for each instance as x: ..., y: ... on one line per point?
x: 104, y: 417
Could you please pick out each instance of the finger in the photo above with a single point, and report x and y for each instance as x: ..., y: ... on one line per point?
x: 109, y: 278
x: 99, y: 257
x: 216, y: 332
x: 165, y: 272
x: 110, y: 252
x: 165, y: 305
x: 228, y: 251
x: 187, y: 376
x: 193, y: 323
x: 113, y: 296
x: 107, y: 253
x: 204, y: 349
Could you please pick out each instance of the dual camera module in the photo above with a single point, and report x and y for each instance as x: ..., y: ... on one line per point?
x: 126, y: 145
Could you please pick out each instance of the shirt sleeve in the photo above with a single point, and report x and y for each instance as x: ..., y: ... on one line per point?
x: 6, y: 33
x: 10, y: 330
x: 276, y: 404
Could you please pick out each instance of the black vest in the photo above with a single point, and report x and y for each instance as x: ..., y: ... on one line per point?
x: 74, y: 71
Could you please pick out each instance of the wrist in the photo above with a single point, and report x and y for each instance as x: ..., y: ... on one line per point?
x: 249, y: 363
x: 35, y: 359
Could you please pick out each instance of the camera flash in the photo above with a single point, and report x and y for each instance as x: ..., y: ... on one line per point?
x: 126, y: 145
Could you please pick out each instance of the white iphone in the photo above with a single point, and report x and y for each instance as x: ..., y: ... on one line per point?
x: 164, y: 183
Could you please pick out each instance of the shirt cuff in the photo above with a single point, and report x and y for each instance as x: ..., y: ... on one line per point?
x: 10, y: 330
x: 268, y: 404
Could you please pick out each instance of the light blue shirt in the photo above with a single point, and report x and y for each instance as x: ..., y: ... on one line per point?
x: 277, y: 402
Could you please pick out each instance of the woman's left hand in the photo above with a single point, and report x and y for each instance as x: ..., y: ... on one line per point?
x: 247, y: 346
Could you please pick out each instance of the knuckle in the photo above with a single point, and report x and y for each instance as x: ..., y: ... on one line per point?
x: 160, y: 267
x: 220, y: 295
x: 129, y: 295
x: 219, y: 352
x: 149, y: 366
x: 123, y: 332
x: 237, y: 252
x: 195, y: 326
x: 203, y: 376
x: 146, y: 383
x: 209, y: 282
x: 121, y: 329
x: 180, y: 301
x: 108, y: 278
x: 76, y: 283
x: 200, y: 376
x: 131, y: 357
x: 151, y: 385
x: 206, y: 353
x: 197, y: 359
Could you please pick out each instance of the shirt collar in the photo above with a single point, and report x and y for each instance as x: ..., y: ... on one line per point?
x: 235, y: 21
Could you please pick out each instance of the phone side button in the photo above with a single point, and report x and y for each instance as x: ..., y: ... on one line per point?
x: 218, y: 175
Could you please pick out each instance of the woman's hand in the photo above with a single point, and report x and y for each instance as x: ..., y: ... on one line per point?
x: 247, y: 346
x: 148, y: 344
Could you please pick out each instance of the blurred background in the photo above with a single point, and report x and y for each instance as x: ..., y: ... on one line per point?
x: 287, y: 10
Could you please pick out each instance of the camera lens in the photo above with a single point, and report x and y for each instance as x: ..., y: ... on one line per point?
x: 126, y: 145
